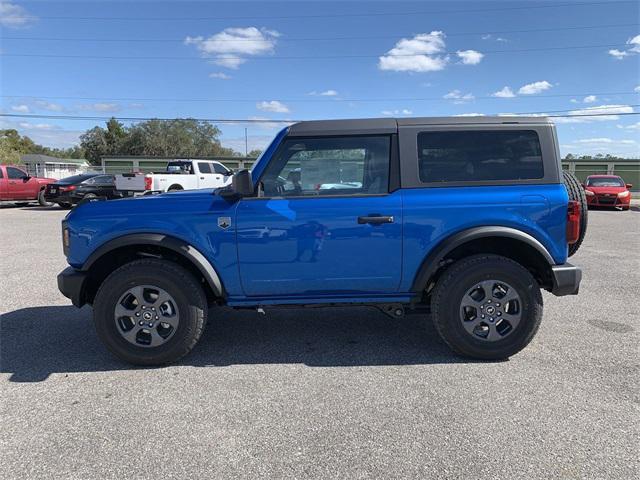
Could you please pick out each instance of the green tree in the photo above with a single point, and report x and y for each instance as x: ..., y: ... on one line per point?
x: 99, y: 141
x: 255, y: 153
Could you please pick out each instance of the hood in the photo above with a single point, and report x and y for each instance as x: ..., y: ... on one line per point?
x: 165, y: 205
x: 605, y: 190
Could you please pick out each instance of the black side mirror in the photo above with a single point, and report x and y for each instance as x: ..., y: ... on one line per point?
x: 241, y: 185
x: 26, y: 177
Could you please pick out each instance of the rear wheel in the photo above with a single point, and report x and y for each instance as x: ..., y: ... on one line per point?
x: 487, y: 307
x: 42, y: 201
x: 150, y: 312
x: 576, y: 193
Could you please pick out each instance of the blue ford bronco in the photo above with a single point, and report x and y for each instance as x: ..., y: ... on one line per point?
x: 463, y: 219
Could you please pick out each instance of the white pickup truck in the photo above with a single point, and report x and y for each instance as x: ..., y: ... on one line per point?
x: 179, y: 175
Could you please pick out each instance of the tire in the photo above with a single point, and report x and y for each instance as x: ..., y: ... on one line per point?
x: 451, y: 293
x: 174, y: 188
x: 576, y: 192
x: 190, y: 306
x: 42, y: 201
x: 65, y: 205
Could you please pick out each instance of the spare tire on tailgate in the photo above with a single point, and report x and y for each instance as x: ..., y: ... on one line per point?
x: 576, y: 192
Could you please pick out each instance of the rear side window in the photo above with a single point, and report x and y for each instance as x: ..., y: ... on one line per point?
x: 220, y: 169
x: 477, y: 156
x: 204, y: 167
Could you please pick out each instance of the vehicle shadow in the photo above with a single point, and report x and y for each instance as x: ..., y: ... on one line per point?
x: 39, y: 341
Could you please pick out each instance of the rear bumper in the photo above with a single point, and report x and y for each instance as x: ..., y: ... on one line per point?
x: 71, y: 285
x: 566, y: 279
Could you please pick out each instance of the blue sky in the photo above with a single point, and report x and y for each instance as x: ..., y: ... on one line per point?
x: 313, y: 60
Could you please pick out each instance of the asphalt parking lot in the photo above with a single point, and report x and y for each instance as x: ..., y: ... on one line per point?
x: 332, y: 393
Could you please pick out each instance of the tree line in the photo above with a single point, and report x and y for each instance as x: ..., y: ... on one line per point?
x: 182, y: 138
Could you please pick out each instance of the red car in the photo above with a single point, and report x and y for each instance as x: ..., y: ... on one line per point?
x: 607, y: 191
x: 16, y: 185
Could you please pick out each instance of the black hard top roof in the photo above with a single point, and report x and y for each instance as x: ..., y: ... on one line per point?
x: 370, y: 126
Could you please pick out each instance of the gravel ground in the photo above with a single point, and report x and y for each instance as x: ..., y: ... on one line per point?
x: 332, y: 393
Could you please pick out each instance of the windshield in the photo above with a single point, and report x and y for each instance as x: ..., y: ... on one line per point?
x: 605, y: 182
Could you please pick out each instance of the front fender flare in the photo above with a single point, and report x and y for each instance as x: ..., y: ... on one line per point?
x: 178, y: 246
x: 431, y: 262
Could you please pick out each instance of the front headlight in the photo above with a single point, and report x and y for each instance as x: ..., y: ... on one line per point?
x: 589, y: 193
x: 624, y: 194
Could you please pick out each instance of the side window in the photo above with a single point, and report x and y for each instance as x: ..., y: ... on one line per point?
x: 475, y: 155
x: 89, y: 181
x: 15, y: 173
x: 329, y: 166
x: 204, y: 167
x: 1, y: 174
x: 220, y: 169
x: 103, y: 179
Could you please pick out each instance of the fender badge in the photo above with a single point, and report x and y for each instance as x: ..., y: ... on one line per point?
x: 224, y: 222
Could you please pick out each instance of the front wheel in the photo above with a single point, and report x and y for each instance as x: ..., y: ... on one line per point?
x: 150, y: 312
x: 487, y: 307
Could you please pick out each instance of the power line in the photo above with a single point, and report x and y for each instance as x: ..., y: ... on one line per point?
x: 296, y: 57
x: 304, y: 39
x: 296, y: 100
x: 550, y: 114
x: 341, y: 15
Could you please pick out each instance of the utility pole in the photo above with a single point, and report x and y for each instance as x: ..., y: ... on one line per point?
x: 246, y: 143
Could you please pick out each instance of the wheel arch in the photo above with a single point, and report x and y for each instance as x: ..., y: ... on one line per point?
x: 506, y: 241
x: 115, y: 253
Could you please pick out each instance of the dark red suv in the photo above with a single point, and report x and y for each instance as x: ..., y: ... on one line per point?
x: 607, y: 191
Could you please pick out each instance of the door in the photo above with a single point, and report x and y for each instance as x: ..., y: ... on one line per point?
x: 323, y: 222
x: 18, y: 187
x: 208, y: 178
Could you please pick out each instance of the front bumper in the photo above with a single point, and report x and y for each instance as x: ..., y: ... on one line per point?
x: 71, y: 285
x: 566, y: 279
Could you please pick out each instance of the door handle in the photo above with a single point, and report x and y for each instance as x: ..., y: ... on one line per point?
x: 201, y: 178
x: 375, y: 219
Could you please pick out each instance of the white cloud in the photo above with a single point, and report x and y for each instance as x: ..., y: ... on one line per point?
x: 220, y: 75
x: 326, y: 93
x: 136, y: 105
x: 470, y: 57
x: 506, y: 92
x: 395, y: 113
x: 489, y: 36
x: 633, y: 48
x: 573, y: 100
x: 590, y: 99
x: 265, y: 123
x: 619, y: 54
x: 37, y: 126
x: 417, y: 54
x: 602, y: 145
x: 458, y: 97
x: 254, y: 142
x: 20, y: 108
x: 535, y: 87
x: 595, y: 140
x: 52, y: 107
x: 637, y: 89
x: 14, y: 16
x: 634, y: 126
x: 604, y: 113
x: 473, y: 114
x: 273, y: 106
x: 231, y: 47
x: 101, y: 107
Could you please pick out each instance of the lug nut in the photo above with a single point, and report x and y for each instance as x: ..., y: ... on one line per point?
x: 137, y: 314
x: 499, y: 313
x: 141, y: 324
x: 150, y: 324
x: 482, y: 316
x: 157, y: 317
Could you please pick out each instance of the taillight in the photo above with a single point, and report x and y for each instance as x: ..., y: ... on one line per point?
x: 147, y: 183
x: 67, y: 189
x: 573, y: 221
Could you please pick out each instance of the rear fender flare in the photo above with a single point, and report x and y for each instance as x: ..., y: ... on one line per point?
x: 432, y: 261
